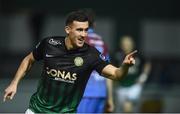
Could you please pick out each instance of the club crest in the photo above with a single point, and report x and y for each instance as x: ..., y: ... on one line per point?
x: 78, y: 61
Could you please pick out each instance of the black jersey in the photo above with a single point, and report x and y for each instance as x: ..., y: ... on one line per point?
x: 64, y: 76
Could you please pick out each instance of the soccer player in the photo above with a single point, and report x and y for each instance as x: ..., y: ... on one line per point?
x: 98, y: 93
x: 68, y: 62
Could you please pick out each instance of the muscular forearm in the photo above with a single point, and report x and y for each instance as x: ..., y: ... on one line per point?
x: 25, y: 65
x: 23, y: 69
x: 115, y: 73
x: 121, y: 71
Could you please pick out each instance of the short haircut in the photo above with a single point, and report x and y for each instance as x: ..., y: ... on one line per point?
x: 91, y: 16
x: 78, y: 15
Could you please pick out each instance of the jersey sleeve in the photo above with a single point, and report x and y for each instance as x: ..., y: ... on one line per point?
x: 100, y: 61
x: 38, y: 52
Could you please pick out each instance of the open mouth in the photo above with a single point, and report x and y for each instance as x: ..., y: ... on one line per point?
x: 81, y: 40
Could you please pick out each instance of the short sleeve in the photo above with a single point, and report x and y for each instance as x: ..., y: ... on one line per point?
x: 38, y: 52
x: 100, y: 61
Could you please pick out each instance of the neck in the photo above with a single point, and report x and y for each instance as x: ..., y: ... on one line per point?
x: 68, y: 44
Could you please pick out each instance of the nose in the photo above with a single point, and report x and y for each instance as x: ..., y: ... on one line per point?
x: 84, y: 33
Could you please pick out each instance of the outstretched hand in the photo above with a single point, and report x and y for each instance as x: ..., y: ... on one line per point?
x: 10, y: 91
x: 129, y: 59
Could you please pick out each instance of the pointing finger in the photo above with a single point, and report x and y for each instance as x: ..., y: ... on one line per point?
x: 132, y: 53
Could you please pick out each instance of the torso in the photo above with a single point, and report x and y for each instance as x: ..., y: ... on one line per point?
x: 64, y: 76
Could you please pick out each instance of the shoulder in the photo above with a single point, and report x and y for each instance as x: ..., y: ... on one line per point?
x: 53, y: 40
x: 92, y: 49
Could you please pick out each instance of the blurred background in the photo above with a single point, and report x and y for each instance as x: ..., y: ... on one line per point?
x: 154, y: 25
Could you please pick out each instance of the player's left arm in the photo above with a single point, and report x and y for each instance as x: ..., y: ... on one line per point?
x: 145, y: 73
x: 115, y: 73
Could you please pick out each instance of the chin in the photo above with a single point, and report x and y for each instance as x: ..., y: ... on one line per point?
x: 80, y: 45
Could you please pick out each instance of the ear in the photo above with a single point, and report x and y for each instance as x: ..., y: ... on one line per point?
x: 67, y: 29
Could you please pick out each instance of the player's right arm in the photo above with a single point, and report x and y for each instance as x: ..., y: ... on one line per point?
x: 115, y: 73
x: 24, y: 67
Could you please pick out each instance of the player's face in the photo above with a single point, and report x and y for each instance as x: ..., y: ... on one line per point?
x: 77, y: 32
x: 127, y: 44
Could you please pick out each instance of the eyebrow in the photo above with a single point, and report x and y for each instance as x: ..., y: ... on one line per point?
x: 82, y: 29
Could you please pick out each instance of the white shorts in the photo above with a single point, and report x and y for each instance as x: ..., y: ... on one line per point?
x: 28, y: 111
x: 131, y: 93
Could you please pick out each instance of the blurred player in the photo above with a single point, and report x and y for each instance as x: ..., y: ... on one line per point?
x: 130, y: 87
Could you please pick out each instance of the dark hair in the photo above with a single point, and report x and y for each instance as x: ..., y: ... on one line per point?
x: 91, y: 15
x: 78, y: 15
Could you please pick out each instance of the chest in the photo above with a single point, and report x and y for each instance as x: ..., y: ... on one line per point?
x: 59, y: 58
